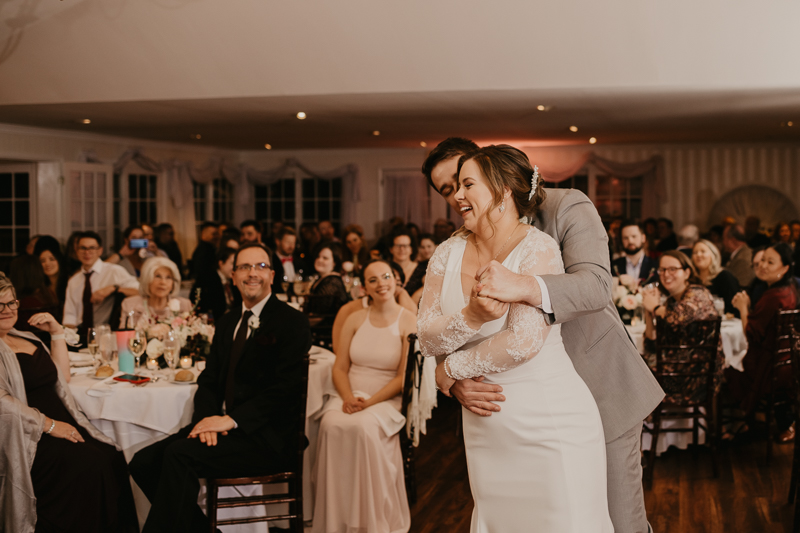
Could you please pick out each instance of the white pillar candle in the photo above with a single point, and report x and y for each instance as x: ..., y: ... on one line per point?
x: 186, y: 361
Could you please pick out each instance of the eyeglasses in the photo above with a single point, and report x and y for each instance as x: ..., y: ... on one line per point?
x: 258, y: 267
x: 13, y: 305
x: 88, y: 248
x: 669, y: 270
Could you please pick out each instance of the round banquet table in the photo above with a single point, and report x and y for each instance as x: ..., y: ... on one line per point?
x: 135, y: 417
x: 734, y: 346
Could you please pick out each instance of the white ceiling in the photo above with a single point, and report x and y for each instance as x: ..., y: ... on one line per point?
x: 237, y: 72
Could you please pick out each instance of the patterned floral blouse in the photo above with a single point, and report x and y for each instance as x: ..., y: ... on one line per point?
x: 694, y: 304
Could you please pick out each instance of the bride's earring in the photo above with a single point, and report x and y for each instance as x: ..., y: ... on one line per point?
x: 503, y: 205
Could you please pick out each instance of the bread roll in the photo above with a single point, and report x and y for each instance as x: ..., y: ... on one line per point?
x: 104, y: 372
x: 184, y: 375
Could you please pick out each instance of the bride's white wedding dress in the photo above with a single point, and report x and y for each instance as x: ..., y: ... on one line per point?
x: 539, y: 464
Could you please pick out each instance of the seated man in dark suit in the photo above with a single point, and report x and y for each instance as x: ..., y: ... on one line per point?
x: 244, y: 408
x: 286, y: 260
x: 634, y: 265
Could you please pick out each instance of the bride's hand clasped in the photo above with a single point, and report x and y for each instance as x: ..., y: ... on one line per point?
x: 480, y: 309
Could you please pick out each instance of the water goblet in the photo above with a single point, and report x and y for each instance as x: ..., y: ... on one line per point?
x: 137, y: 345
x: 93, y: 345
x: 172, y: 346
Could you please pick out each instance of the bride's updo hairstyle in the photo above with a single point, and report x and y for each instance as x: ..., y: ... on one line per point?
x: 506, y: 166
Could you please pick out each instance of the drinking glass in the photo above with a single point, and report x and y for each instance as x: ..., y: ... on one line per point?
x: 137, y: 345
x: 285, y: 284
x: 93, y: 345
x: 172, y: 346
x: 108, y: 345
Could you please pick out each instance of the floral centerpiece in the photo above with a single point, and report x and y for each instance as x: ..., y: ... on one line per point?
x: 195, y: 334
x: 628, y: 301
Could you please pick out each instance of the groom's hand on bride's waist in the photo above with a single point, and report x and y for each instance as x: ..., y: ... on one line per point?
x: 477, y: 396
x: 498, y: 282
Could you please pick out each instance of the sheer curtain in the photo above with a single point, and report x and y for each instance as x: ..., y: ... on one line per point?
x: 406, y: 195
x: 651, y: 170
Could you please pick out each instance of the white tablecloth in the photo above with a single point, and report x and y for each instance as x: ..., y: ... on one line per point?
x: 136, y: 417
x: 734, y: 346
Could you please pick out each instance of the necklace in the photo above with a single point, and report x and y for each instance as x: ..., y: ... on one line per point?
x: 477, y: 247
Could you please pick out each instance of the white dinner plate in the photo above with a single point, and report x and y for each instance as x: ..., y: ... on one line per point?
x: 99, y: 378
x: 184, y: 382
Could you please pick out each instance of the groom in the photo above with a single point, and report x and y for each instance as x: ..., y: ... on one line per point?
x: 580, y: 299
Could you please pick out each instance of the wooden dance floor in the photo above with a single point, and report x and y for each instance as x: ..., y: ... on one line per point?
x: 749, y: 496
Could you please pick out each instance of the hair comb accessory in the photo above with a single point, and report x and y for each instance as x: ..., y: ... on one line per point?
x: 534, y: 182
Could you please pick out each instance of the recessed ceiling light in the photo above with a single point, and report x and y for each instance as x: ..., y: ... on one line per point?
x: 790, y: 123
x: 540, y: 107
x: 86, y: 121
x: 301, y: 115
x: 197, y: 136
x: 376, y: 133
x: 573, y: 129
x: 268, y: 146
x: 592, y: 140
x: 423, y: 144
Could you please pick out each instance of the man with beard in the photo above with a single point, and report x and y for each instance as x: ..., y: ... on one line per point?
x: 634, y: 265
x: 580, y: 300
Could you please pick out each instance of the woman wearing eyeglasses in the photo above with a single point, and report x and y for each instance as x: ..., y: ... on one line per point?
x: 358, y: 476
x: 687, y: 300
x: 61, y: 473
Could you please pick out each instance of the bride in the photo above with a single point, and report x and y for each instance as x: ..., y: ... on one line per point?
x: 539, y: 464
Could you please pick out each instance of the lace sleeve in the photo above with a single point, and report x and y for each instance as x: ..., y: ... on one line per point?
x: 439, y: 334
x: 527, y: 329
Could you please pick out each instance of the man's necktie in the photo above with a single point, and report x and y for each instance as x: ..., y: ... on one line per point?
x: 88, y: 308
x: 228, y: 294
x: 236, y: 353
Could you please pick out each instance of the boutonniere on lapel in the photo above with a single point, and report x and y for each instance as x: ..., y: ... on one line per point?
x: 254, y: 323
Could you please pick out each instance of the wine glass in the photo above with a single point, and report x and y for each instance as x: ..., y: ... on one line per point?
x: 172, y: 346
x: 285, y: 284
x: 137, y: 345
x: 93, y: 345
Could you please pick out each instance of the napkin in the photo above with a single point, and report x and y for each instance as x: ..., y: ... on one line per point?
x: 82, y: 370
x: 104, y: 388
x: 80, y: 359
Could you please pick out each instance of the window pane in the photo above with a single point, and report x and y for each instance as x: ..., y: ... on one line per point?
x: 275, y: 211
x: 635, y: 186
x: 152, y: 218
x: 582, y: 184
x: 603, y: 186
x: 132, y: 186
x: 6, y: 191
x: 635, y: 207
x: 6, y: 215
x: 337, y: 210
x: 22, y: 213
x: 288, y: 212
x: 216, y: 211
x: 152, y: 194
x: 22, y: 238
x: 101, y: 185
x: 324, y: 210
x: 6, y: 242
x: 261, y: 211
x: 309, y: 213
x: 337, y: 187
x: 260, y: 192
x: 308, y: 189
x: 101, y: 214
x: 323, y: 188
x: 88, y: 214
x: 21, y: 182
x: 142, y: 186
x: 288, y: 188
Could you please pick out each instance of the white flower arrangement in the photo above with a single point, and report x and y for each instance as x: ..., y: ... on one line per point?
x: 154, y: 348
x: 175, y: 305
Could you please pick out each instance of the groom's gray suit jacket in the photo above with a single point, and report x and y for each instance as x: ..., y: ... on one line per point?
x: 594, y: 336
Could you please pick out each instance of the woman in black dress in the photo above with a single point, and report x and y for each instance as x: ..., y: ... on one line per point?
x: 79, y: 479
x: 328, y: 293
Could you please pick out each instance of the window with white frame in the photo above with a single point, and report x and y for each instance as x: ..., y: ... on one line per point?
x: 276, y: 202
x: 213, y: 201
x: 322, y: 200
x: 15, y: 211
x: 618, y: 197
x: 141, y: 200
x: 578, y: 181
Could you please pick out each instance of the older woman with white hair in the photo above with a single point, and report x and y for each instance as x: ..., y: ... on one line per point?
x: 158, y: 286
x: 719, y: 282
